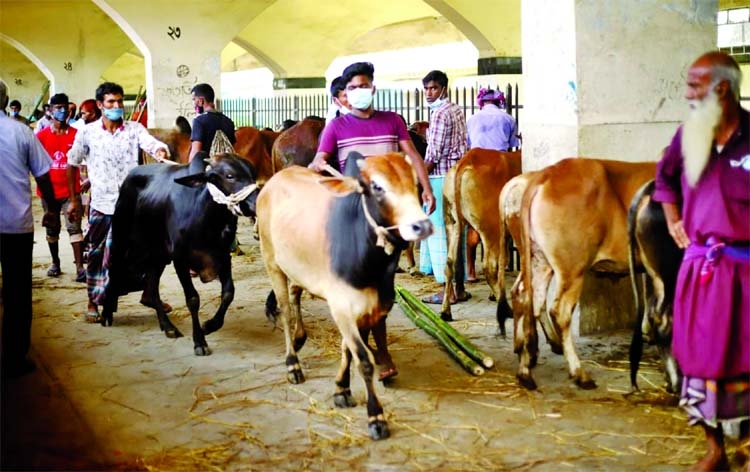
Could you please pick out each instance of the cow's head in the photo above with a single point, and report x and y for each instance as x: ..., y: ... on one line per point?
x: 388, y: 186
x: 229, y: 178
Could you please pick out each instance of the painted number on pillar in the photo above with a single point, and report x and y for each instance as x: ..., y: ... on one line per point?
x: 68, y: 66
x: 173, y: 32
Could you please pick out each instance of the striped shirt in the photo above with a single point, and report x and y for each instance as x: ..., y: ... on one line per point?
x: 379, y: 134
x: 446, y: 138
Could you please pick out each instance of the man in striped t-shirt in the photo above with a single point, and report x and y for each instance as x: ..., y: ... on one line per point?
x: 370, y: 133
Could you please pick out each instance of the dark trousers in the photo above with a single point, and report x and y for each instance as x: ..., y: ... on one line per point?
x: 15, y: 265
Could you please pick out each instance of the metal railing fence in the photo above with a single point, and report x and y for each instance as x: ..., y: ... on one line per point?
x: 270, y: 112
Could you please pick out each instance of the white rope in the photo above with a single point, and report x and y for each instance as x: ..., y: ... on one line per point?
x: 380, y: 231
x: 232, y: 201
x: 164, y: 161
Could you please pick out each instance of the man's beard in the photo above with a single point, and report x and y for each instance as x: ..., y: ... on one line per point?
x: 698, y: 135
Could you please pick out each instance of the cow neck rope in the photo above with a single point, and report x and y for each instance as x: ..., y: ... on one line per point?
x: 232, y: 201
x: 380, y: 231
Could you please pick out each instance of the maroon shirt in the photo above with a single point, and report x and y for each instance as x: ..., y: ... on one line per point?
x: 711, y: 329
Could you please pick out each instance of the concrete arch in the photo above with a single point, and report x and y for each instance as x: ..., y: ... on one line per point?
x: 455, y: 16
x: 32, y: 57
x: 133, y: 35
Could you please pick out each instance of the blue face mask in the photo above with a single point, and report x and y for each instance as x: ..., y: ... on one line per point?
x: 60, y: 115
x: 14, y: 113
x: 113, y: 114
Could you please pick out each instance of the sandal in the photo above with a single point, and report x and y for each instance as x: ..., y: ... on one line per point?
x: 81, y: 277
x: 166, y: 306
x: 92, y: 317
x: 437, y: 299
x: 388, y: 373
x: 53, y: 271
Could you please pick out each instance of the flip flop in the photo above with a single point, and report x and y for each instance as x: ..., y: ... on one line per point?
x: 53, y: 271
x: 434, y: 299
x: 386, y: 374
x: 81, y: 277
x: 167, y: 307
x: 472, y: 281
x: 92, y: 317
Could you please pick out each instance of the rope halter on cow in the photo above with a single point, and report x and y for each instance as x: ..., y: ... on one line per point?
x: 380, y: 231
x: 232, y: 201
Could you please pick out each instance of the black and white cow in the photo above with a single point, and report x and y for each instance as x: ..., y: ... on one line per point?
x: 184, y: 214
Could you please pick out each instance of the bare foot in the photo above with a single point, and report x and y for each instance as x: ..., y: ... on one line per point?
x: 712, y: 461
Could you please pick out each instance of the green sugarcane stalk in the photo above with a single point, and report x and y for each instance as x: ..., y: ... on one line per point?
x: 453, y: 349
x: 470, y: 349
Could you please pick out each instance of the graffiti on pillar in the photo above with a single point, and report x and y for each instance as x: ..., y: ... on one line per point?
x: 68, y: 66
x: 183, y: 71
x: 18, y: 81
x: 179, y: 94
x: 174, y: 32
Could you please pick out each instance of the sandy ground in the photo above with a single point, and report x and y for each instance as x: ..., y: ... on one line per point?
x: 126, y: 397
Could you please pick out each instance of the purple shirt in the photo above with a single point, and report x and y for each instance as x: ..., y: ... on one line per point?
x: 719, y: 204
x: 492, y: 128
x: 379, y: 134
x: 711, y: 325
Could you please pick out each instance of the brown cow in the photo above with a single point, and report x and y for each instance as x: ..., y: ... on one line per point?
x: 340, y: 239
x: 573, y: 219
x: 176, y: 138
x: 255, y: 145
x: 470, y: 196
x: 298, y: 144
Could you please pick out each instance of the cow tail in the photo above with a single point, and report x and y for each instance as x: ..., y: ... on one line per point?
x: 636, y: 343
x: 458, y: 274
x: 525, y: 250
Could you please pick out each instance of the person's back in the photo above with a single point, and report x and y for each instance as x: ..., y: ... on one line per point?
x: 206, y: 125
x: 491, y: 127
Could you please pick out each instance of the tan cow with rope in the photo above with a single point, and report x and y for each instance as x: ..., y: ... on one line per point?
x: 340, y: 239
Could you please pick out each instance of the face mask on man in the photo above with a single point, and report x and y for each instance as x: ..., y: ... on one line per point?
x: 360, y: 98
x: 434, y: 105
x: 14, y: 113
x: 198, y: 110
x: 60, y: 115
x: 113, y: 114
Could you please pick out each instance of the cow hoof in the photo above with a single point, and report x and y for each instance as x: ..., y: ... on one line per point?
x: 173, y: 333
x: 446, y: 316
x: 526, y: 382
x: 492, y: 298
x: 378, y: 429
x: 202, y: 351
x: 344, y: 399
x: 295, y: 377
x: 586, y: 384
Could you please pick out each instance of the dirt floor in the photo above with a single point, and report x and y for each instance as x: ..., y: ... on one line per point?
x: 126, y: 397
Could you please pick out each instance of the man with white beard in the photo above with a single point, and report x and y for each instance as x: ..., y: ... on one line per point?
x: 703, y: 183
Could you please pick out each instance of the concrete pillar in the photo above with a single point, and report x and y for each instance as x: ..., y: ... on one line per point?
x: 606, y: 79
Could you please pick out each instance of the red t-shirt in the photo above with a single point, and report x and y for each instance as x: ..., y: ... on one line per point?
x: 57, y: 146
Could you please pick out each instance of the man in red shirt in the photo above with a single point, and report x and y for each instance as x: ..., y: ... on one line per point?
x: 57, y: 140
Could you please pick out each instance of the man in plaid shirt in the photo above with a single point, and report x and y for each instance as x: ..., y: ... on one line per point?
x: 446, y: 144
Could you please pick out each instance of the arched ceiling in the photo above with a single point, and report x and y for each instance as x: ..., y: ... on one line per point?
x: 293, y: 38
